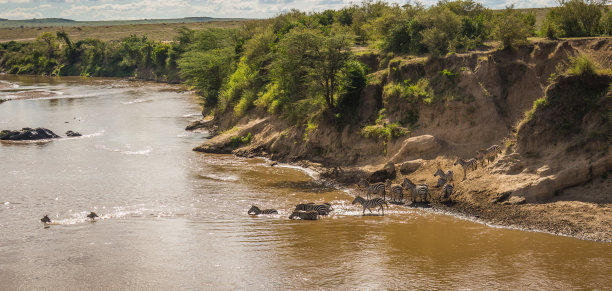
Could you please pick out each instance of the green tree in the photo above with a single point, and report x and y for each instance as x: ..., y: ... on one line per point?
x: 511, y: 28
x: 576, y: 18
x: 50, y: 41
x: 332, y: 53
x: 208, y: 61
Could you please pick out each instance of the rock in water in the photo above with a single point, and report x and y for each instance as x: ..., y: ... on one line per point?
x: 27, y: 134
x: 71, y: 133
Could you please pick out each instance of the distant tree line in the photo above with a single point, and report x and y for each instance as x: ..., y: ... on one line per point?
x: 300, y: 65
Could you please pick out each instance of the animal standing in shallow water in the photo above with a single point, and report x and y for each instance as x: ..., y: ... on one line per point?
x: 256, y: 211
x: 92, y: 215
x: 395, y: 191
x: 421, y: 190
x: 45, y: 219
x: 369, y: 204
x: 376, y: 188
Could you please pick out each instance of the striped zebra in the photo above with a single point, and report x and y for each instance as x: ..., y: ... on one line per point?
x: 417, y: 190
x: 448, y: 176
x: 469, y: 164
x: 395, y: 191
x: 408, y: 185
x: 488, y: 154
x: 321, y: 209
x: 256, y: 211
x: 421, y: 190
x: 309, y: 215
x: 376, y: 188
x: 441, y: 181
x: 447, y: 190
x: 369, y: 204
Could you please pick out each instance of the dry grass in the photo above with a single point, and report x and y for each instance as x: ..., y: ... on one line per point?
x: 160, y: 32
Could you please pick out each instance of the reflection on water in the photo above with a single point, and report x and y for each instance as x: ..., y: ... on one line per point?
x: 171, y: 218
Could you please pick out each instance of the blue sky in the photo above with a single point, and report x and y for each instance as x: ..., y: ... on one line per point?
x: 140, y: 9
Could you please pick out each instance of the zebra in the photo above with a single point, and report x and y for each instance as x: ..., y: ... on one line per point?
x: 45, y: 219
x: 310, y: 215
x: 421, y: 190
x: 369, y: 204
x: 448, y: 176
x: 376, y: 188
x: 395, y: 191
x: 408, y: 185
x: 489, y: 154
x: 441, y: 181
x: 322, y: 209
x: 469, y: 164
x: 92, y: 215
x: 447, y: 190
x: 256, y: 211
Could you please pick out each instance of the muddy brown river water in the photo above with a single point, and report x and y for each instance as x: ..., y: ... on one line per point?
x: 175, y: 219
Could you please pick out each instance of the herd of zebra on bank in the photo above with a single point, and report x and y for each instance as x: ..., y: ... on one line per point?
x: 312, y: 211
x: 421, y: 191
x: 482, y: 155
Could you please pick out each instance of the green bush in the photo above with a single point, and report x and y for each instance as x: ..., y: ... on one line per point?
x: 385, y: 132
x: 581, y: 66
x: 550, y: 29
x: 606, y: 22
x: 411, y: 92
x: 537, y: 104
x: 576, y: 18
x: 512, y: 27
x: 237, y: 141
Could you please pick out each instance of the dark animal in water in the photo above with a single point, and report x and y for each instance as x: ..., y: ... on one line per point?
x: 45, y: 219
x: 255, y: 211
x: 310, y: 215
x: 323, y: 209
x: 92, y: 215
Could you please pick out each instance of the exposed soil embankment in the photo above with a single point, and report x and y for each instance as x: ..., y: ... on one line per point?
x: 551, y: 176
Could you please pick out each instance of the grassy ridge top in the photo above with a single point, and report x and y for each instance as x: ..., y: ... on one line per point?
x: 154, y: 29
x: 62, y: 22
x: 112, y: 30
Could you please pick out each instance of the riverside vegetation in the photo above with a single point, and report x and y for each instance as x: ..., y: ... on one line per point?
x: 375, y: 89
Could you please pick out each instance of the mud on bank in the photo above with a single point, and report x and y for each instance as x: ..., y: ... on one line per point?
x: 552, y: 175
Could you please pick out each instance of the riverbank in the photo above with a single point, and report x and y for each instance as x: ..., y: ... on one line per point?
x: 555, y: 135
x: 582, y: 220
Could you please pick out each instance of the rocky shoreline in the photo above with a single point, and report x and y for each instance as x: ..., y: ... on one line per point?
x: 566, y: 218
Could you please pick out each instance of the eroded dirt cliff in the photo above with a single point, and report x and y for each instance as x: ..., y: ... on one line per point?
x: 557, y: 161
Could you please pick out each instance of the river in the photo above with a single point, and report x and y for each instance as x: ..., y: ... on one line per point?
x: 175, y: 219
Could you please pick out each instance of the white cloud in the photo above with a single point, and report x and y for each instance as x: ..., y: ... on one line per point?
x: 14, y: 1
x: 131, y: 10
x: 21, y: 13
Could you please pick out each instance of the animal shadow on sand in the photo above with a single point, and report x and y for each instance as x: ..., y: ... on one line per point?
x: 448, y: 203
